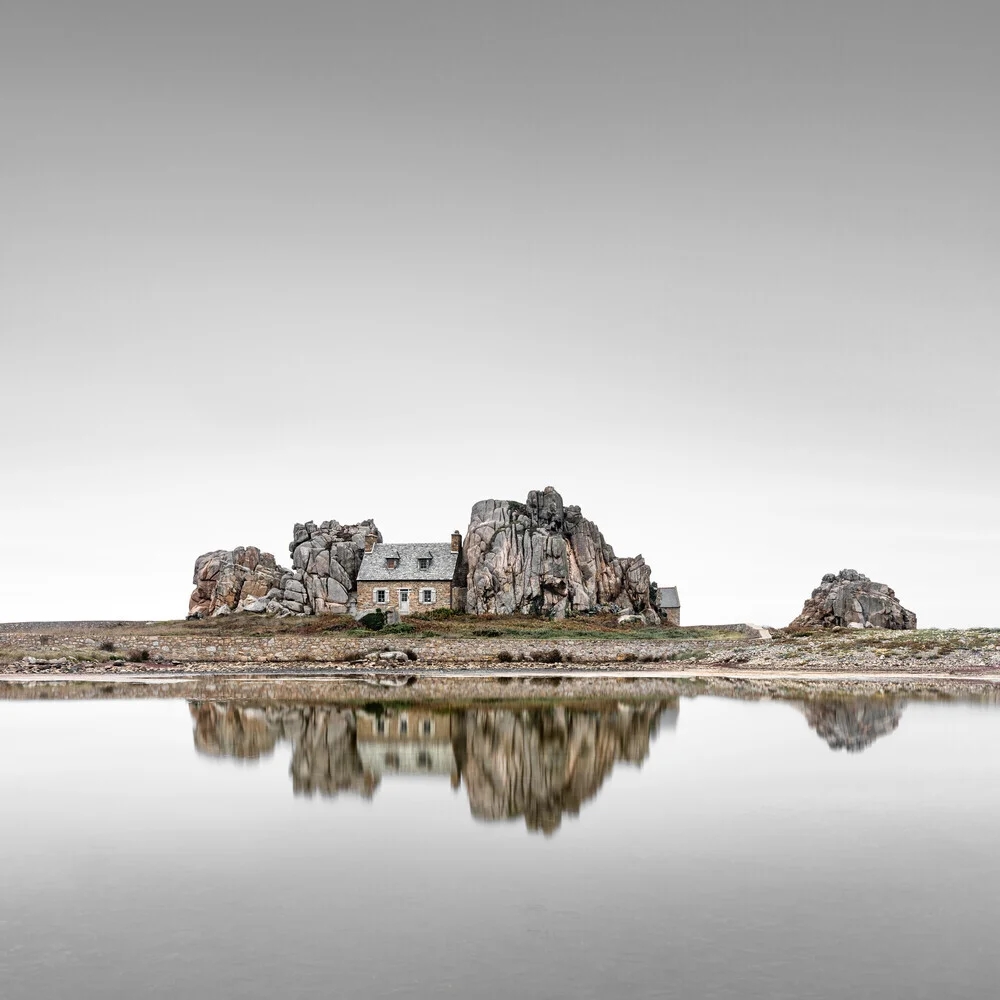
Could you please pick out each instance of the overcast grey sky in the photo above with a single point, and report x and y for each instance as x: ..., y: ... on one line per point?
x: 725, y: 274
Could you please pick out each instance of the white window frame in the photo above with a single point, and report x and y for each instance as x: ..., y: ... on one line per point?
x: 380, y: 590
x: 428, y: 590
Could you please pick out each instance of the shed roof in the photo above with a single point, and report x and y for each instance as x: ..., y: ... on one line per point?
x: 669, y: 598
x: 442, y: 567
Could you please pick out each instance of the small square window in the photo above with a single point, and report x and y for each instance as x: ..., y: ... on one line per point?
x: 380, y: 597
x: 427, y: 596
x: 424, y: 563
x: 390, y: 564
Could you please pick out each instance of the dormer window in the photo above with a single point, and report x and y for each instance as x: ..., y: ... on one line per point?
x: 424, y: 562
x: 390, y: 563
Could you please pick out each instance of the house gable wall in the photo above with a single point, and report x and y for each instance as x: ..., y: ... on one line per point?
x: 366, y: 594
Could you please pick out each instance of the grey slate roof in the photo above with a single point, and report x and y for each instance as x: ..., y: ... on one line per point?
x: 442, y: 567
x: 669, y: 598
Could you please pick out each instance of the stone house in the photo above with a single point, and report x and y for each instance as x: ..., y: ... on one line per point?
x: 670, y: 605
x: 412, y: 576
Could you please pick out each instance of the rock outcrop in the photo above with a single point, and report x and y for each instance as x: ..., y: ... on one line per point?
x: 325, y: 564
x: 853, y: 724
x: 849, y: 598
x: 545, y: 558
x: 228, y: 579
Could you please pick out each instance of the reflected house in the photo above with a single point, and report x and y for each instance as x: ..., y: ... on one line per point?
x: 530, y: 761
x: 853, y: 724
x: 414, y: 740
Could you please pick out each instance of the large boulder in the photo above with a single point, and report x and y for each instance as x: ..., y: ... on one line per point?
x: 325, y: 564
x: 849, y: 598
x: 542, y: 557
x: 225, y: 578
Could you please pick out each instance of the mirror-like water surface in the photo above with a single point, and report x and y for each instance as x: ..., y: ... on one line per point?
x: 693, y: 847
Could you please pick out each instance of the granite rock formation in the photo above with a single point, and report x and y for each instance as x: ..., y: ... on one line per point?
x: 228, y: 579
x: 545, y: 558
x: 849, y: 598
x: 853, y: 724
x: 325, y: 564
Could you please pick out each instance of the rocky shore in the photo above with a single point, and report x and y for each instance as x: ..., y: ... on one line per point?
x: 178, y: 648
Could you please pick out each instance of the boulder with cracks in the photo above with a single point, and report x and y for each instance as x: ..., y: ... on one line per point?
x: 850, y: 599
x: 543, y: 557
x: 230, y: 579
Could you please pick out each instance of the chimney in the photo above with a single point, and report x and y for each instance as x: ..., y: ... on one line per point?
x: 370, y: 539
x: 456, y: 541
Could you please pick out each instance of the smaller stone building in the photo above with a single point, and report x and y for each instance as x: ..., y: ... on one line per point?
x: 411, y: 576
x: 670, y: 605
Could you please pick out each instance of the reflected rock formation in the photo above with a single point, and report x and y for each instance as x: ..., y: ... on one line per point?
x: 853, y: 724
x: 538, y: 763
x: 325, y: 760
x: 226, y: 731
x: 542, y: 763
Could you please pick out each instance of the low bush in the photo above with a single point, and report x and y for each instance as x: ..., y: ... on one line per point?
x: 138, y: 655
x: 547, y: 656
x: 107, y: 646
x: 504, y: 656
x: 374, y: 621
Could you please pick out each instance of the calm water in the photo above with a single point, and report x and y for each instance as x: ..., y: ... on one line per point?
x: 695, y: 848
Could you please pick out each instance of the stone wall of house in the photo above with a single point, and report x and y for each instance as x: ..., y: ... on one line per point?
x: 670, y: 616
x: 366, y: 598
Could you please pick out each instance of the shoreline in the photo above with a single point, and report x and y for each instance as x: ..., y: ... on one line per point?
x: 484, y: 647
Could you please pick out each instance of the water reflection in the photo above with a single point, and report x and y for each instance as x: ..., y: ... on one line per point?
x: 534, y: 762
x: 853, y: 724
